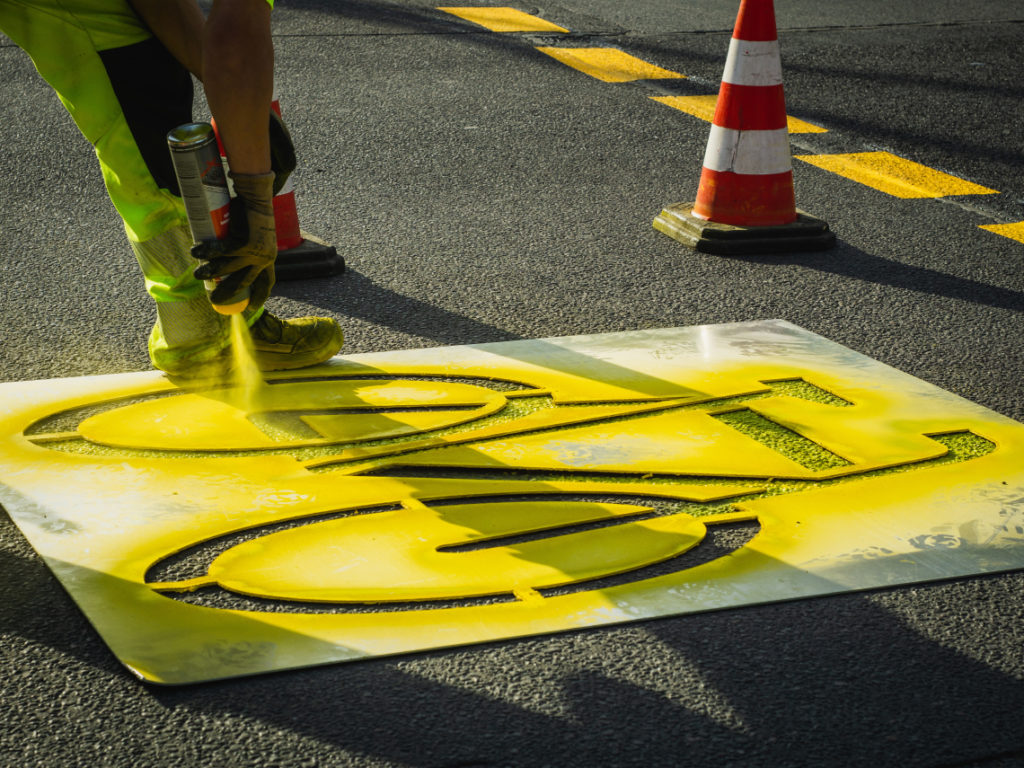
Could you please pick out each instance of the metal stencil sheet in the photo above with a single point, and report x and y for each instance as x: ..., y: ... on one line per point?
x: 393, y: 502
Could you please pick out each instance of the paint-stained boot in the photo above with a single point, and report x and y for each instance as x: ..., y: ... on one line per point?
x: 277, y: 345
x: 298, y: 343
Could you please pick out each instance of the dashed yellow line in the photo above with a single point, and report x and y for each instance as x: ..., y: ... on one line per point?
x: 1012, y: 231
x: 609, y: 64
x: 504, y: 19
x: 704, y: 108
x: 882, y: 171
x: 895, y: 175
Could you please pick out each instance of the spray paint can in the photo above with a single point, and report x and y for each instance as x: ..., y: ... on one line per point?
x: 204, y: 191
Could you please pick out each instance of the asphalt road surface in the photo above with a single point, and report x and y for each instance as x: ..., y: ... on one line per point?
x: 479, y: 191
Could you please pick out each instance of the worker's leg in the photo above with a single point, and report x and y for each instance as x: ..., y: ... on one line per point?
x: 125, y: 92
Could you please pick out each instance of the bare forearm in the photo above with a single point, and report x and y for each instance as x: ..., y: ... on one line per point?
x: 178, y: 24
x: 238, y: 68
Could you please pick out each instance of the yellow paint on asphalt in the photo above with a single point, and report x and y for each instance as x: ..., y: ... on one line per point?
x: 609, y: 64
x: 504, y: 19
x: 894, y: 175
x: 1012, y: 231
x: 704, y: 108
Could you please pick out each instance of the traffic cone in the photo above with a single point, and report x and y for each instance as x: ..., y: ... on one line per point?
x: 745, y: 201
x: 300, y: 255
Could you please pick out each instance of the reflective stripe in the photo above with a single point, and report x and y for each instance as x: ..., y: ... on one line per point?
x: 748, y: 152
x: 753, y: 63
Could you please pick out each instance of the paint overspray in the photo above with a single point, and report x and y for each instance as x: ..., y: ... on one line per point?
x: 204, y: 191
x: 246, y: 379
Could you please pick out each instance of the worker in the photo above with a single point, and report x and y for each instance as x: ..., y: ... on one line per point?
x: 122, y: 69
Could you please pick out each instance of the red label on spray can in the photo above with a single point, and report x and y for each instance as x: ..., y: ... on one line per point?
x: 204, y: 191
x: 215, y: 189
x: 201, y: 177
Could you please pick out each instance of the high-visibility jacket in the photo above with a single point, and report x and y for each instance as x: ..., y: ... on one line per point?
x: 125, y: 91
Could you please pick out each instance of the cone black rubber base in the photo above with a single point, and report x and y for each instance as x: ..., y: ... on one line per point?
x: 312, y: 258
x: 805, y: 234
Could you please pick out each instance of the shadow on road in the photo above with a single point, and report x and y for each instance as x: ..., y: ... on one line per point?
x: 358, y: 296
x: 870, y: 690
x: 848, y: 261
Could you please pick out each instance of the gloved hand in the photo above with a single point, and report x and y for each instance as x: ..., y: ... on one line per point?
x: 244, y: 257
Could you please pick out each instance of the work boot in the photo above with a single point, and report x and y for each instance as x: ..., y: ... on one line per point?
x: 277, y: 345
x: 280, y: 345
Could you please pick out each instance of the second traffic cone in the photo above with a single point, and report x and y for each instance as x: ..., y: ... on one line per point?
x: 299, y: 254
x: 745, y: 201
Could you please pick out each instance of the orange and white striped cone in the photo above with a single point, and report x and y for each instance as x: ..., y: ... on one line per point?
x: 745, y: 201
x: 300, y: 255
x: 747, y: 179
x: 286, y: 214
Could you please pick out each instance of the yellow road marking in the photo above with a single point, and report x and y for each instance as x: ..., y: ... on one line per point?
x: 894, y: 175
x: 609, y: 64
x: 504, y: 19
x: 704, y: 108
x: 1012, y: 231
x: 883, y: 171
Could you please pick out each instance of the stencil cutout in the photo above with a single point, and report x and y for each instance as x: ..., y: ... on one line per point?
x: 400, y: 501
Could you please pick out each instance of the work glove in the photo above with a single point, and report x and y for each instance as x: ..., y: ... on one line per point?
x: 282, y: 152
x: 244, y: 257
